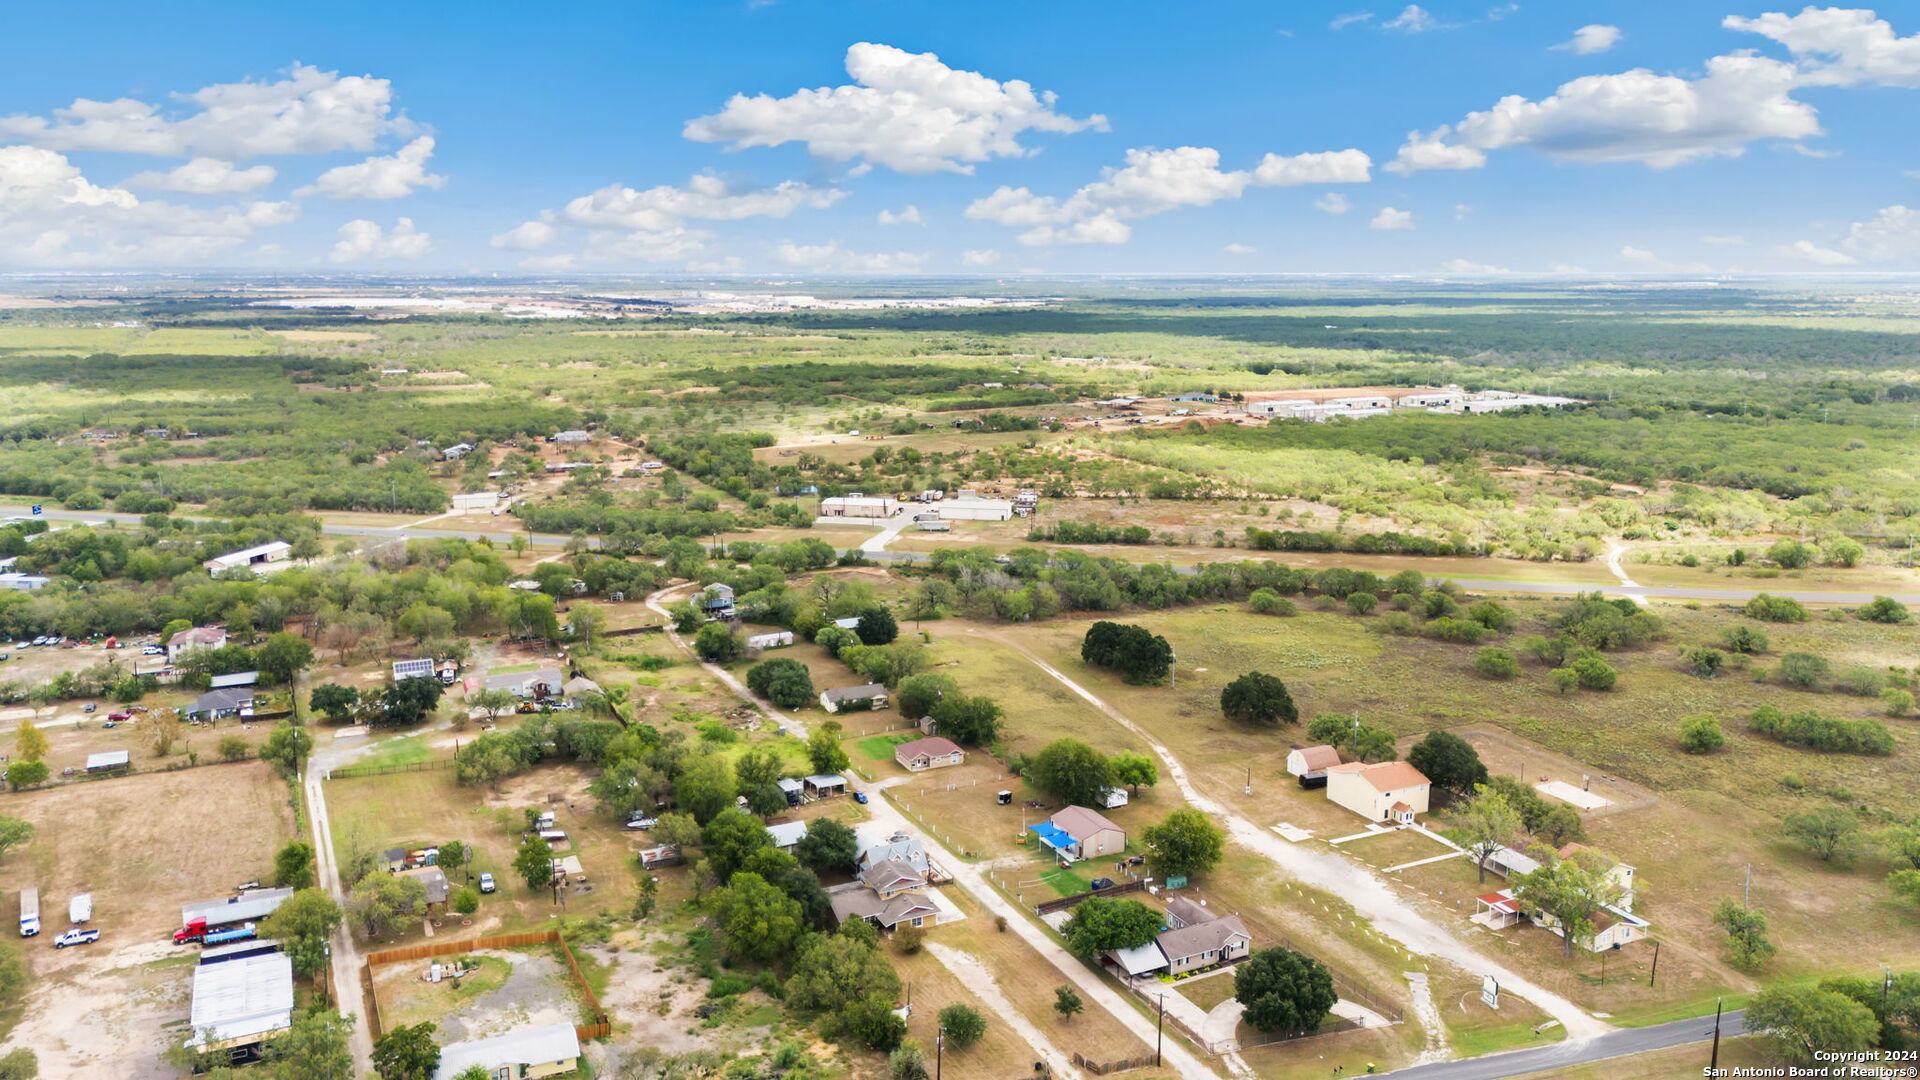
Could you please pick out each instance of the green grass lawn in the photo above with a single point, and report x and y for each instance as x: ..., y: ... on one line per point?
x: 880, y: 747
x: 1067, y: 882
x: 409, y: 750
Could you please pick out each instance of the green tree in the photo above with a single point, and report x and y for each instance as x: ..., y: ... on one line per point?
x: 1183, y: 844
x: 1701, y: 734
x: 1747, y: 945
x: 785, y: 682
x: 916, y: 695
x: 757, y: 921
x: 1885, y: 609
x: 834, y: 971
x: 1066, y: 1002
x: 1572, y: 891
x: 1746, y: 640
x: 586, y: 623
x: 382, y: 903
x: 466, y: 900
x: 493, y: 702
x: 409, y: 701
x: 1779, y: 609
x: 824, y: 751
x: 1799, y: 1023
x: 1496, y: 663
x: 283, y: 657
x: 876, y: 626
x: 29, y: 742
x: 704, y: 787
x: 534, y: 863
x: 963, y: 1025
x: 1267, y: 602
x: 1072, y: 772
x: 1830, y: 833
x: 1133, y: 769
x: 1284, y: 991
x: 1803, y: 671
x: 1706, y: 661
x: 1449, y: 761
x: 730, y: 838
x: 313, y: 1048
x: 453, y: 857
x: 19, y: 1064
x: 1258, y: 698
x: 233, y: 748
x: 293, y: 865
x: 1593, y: 673
x: 716, y: 641
x: 829, y: 847
x: 908, y: 1061
x: 1101, y: 923
x: 25, y: 774
x: 1490, y: 822
x: 13, y: 833
x: 871, y: 1019
x: 304, y: 923
x: 334, y: 701
x: 407, y: 1052
x: 971, y: 720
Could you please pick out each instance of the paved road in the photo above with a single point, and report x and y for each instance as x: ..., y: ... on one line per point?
x: 1546, y: 1059
x: 1549, y: 588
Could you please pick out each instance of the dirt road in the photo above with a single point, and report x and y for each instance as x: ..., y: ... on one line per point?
x: 1370, y: 896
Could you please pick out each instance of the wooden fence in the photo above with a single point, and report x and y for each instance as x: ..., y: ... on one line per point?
x: 600, y: 1028
x: 1102, y: 1068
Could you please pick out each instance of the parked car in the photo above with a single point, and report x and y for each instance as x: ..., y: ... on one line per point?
x: 76, y: 936
x: 860, y: 797
x: 642, y: 823
x: 486, y: 882
x: 152, y: 650
x: 88, y: 707
x: 1101, y: 883
x: 116, y: 717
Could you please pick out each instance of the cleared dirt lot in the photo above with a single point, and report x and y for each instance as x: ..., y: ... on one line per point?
x: 143, y: 845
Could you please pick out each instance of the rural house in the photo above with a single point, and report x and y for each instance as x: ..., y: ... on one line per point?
x: 198, y: 637
x: 526, y: 1053
x: 899, y: 847
x: 887, y: 894
x: 716, y: 601
x: 220, y: 704
x: 1310, y: 764
x: 1079, y: 833
x: 1614, y: 925
x: 1392, y: 791
x: 543, y: 683
x: 785, y: 834
x: 872, y: 695
x: 1204, y: 944
x: 932, y: 752
x: 434, y: 880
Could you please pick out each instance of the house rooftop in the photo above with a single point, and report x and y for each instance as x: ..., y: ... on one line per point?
x: 1319, y: 758
x: 523, y: 1046
x: 248, y: 906
x: 1080, y: 822
x: 932, y: 746
x: 1186, y: 911
x: 435, y: 880
x: 1385, y: 775
x: 888, y: 873
x: 855, y: 693
x: 238, y: 678
x: 241, y: 998
x: 1203, y: 937
x: 787, y: 833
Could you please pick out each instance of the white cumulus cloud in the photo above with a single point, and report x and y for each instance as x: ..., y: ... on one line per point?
x: 979, y: 257
x: 1154, y: 182
x: 206, y: 176
x: 309, y: 112
x: 1333, y: 203
x: 907, y: 111
x: 1238, y: 249
x: 52, y: 215
x: 390, y: 176
x: 365, y: 241
x: 909, y: 216
x: 831, y: 256
x: 620, y: 224
x: 1891, y: 236
x: 1413, y: 19
x: 1391, y: 220
x: 1663, y: 120
x: 1592, y: 38
x: 1808, y: 251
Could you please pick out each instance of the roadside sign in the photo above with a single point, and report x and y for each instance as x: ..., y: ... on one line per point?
x: 1490, y: 991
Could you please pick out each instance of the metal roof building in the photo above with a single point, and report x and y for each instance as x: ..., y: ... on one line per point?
x: 412, y: 669
x: 547, y: 1050
x: 108, y: 759
x: 238, y: 678
x: 241, y: 1000
x: 248, y: 906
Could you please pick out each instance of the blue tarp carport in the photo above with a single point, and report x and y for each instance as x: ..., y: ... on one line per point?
x: 1052, y: 835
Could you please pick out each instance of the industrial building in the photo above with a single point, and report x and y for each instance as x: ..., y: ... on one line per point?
x: 242, y: 996
x: 257, y: 557
x: 857, y: 505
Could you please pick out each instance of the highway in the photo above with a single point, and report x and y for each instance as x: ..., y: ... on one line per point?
x: 1550, y: 1059
x: 1546, y: 588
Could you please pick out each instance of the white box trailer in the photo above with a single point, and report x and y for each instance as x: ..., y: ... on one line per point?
x: 80, y: 908
x: 29, y: 912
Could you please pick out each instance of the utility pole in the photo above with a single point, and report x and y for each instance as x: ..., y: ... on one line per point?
x: 1713, y: 1062
x: 1656, y: 964
x: 939, y: 1048
x: 1159, y: 1029
x: 1747, y: 889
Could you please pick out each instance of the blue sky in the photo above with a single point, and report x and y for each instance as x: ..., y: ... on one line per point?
x: 1064, y: 137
